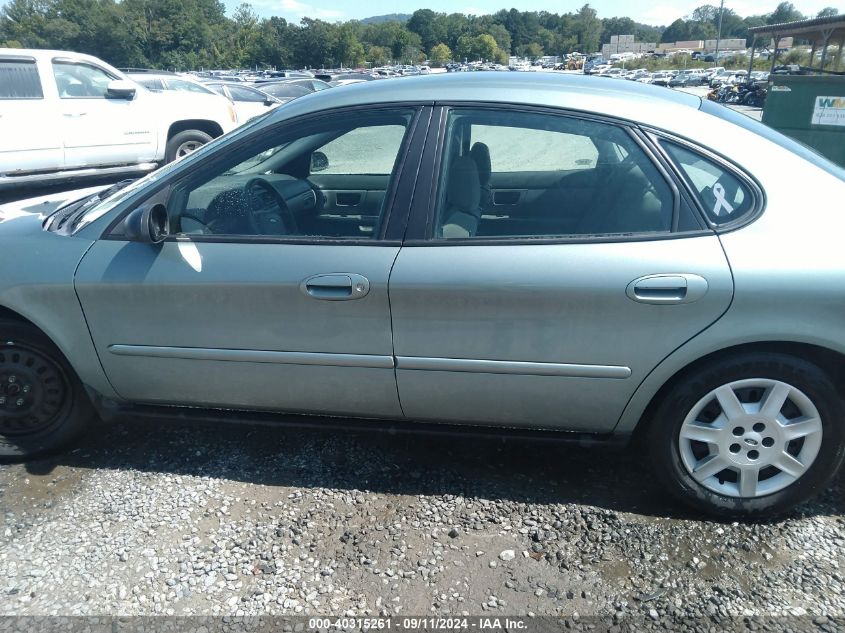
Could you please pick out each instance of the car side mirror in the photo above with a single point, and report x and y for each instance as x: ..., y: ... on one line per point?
x: 120, y: 89
x: 319, y: 162
x: 269, y: 102
x: 147, y: 224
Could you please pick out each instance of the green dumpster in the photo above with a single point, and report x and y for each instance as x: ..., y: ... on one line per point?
x: 810, y: 109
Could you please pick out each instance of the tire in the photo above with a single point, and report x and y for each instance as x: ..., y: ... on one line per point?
x: 780, y: 483
x: 180, y: 144
x: 43, y: 405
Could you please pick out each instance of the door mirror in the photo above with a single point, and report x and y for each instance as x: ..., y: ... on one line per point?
x: 270, y: 102
x: 319, y: 162
x: 148, y: 224
x: 120, y: 89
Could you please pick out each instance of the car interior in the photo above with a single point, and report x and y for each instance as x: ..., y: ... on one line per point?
x: 321, y: 184
x: 616, y: 190
x: 589, y: 179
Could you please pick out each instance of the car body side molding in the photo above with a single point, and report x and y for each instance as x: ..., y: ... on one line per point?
x: 511, y: 367
x: 255, y: 356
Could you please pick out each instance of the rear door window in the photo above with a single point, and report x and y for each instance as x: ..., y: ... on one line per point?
x: 722, y: 195
x: 19, y: 79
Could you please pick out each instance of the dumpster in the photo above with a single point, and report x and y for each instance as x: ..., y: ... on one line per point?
x: 810, y: 109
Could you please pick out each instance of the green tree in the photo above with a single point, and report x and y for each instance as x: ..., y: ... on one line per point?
x: 587, y: 29
x: 827, y: 12
x: 348, y: 50
x: 678, y: 31
x: 785, y: 12
x: 440, y: 54
x: 378, y: 55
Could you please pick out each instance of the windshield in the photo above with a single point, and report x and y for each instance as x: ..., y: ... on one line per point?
x: 746, y: 122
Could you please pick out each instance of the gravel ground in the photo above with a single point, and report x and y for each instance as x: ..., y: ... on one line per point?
x: 147, y: 518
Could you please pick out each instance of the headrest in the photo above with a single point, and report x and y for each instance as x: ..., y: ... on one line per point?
x: 481, y: 155
x: 463, y: 189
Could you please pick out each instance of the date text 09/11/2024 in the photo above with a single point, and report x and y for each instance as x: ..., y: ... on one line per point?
x: 418, y: 624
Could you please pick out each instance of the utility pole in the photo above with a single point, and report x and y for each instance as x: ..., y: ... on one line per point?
x: 719, y: 33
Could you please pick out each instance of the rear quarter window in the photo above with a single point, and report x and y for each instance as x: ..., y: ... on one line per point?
x: 19, y: 80
x: 724, y: 197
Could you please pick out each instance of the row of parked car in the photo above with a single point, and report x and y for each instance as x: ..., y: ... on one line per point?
x: 68, y: 116
x: 712, y: 77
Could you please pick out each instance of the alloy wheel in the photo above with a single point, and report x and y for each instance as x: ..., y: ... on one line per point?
x: 187, y: 147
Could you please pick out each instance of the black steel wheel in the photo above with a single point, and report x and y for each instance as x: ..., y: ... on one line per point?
x: 42, y: 403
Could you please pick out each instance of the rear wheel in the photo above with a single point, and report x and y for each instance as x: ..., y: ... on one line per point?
x: 184, y: 143
x: 749, y: 436
x: 43, y: 406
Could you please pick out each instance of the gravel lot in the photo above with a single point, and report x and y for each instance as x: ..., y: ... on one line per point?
x: 171, y: 518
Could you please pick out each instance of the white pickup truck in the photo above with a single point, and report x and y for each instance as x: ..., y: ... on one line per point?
x: 65, y: 116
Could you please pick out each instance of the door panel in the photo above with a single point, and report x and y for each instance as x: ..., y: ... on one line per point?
x: 349, y: 201
x: 548, y: 304
x: 221, y: 324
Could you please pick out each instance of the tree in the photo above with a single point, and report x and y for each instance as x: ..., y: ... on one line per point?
x: 348, y: 50
x: 678, y: 31
x: 588, y: 29
x: 440, y: 54
x: 378, y: 55
x: 785, y: 12
x: 426, y: 24
x: 827, y: 12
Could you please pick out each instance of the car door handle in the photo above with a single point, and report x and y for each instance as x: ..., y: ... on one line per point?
x: 336, y: 286
x: 75, y: 114
x: 667, y: 289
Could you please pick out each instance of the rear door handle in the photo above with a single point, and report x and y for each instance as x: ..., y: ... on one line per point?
x: 336, y: 287
x: 667, y: 289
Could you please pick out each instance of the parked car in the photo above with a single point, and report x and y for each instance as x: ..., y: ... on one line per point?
x: 310, y: 85
x: 68, y: 116
x: 249, y: 102
x: 285, y: 91
x: 662, y: 78
x: 648, y: 273
x: 160, y: 80
x: 686, y: 79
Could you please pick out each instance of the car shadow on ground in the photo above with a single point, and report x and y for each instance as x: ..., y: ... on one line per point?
x: 519, y: 470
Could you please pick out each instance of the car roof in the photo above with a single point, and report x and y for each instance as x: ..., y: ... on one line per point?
x: 642, y: 103
x: 48, y: 54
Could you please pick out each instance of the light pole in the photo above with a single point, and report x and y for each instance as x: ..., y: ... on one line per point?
x: 719, y: 33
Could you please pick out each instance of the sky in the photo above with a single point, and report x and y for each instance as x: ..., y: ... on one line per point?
x: 656, y: 12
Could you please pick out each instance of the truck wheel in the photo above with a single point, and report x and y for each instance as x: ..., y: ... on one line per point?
x: 749, y: 436
x: 184, y: 143
x: 43, y: 405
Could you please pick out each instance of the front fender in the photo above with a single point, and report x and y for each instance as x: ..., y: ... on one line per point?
x: 36, y: 281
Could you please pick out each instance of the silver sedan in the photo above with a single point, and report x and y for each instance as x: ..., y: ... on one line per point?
x: 534, y: 253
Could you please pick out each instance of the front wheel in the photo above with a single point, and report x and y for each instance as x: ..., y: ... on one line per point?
x: 750, y: 436
x: 43, y: 405
x: 184, y: 143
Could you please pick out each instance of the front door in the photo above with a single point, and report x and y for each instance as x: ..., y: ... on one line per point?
x: 97, y: 129
x: 258, y: 302
x: 559, y: 267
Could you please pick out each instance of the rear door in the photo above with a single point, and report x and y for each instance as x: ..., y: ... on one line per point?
x: 28, y: 121
x: 547, y: 311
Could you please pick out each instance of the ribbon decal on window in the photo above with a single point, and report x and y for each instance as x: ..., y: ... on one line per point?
x: 721, y: 201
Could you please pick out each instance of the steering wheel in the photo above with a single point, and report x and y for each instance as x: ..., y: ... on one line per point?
x: 262, y: 217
